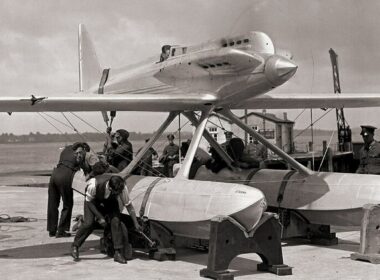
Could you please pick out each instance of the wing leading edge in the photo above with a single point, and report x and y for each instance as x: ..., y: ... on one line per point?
x: 193, y: 102
x: 92, y: 102
x: 300, y: 101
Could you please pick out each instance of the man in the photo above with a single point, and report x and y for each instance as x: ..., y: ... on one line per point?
x: 146, y: 168
x: 370, y: 152
x: 108, y: 142
x: 123, y: 154
x: 90, y: 159
x: 257, y: 151
x: 235, y: 149
x: 170, y: 156
x: 103, y: 194
x: 228, y: 135
x: 165, y: 52
x: 60, y: 186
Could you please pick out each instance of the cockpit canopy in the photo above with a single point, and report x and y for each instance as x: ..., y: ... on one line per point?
x: 256, y: 41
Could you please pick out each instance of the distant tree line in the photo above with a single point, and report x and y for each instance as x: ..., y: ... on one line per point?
x: 70, y: 137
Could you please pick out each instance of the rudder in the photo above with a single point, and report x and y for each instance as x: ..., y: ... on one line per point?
x: 90, y: 71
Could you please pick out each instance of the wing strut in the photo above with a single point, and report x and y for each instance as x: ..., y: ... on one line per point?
x: 295, y: 164
x: 133, y: 164
x: 184, y: 171
x: 191, y: 117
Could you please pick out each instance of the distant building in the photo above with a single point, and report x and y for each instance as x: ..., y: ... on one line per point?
x: 278, y: 131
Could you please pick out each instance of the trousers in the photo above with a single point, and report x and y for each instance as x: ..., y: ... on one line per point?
x: 60, y: 186
x: 118, y: 229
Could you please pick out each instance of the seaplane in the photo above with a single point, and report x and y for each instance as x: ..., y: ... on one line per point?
x: 234, y: 72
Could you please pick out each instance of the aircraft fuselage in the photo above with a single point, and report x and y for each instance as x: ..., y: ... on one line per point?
x: 229, y: 68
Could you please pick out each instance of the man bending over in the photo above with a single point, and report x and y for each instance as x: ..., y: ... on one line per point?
x: 103, y: 194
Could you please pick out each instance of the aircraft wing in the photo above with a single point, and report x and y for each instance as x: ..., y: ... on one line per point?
x: 299, y: 100
x: 107, y: 102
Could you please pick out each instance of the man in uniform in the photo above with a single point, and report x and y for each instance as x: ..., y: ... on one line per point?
x: 370, y: 152
x: 170, y: 156
x: 60, y: 186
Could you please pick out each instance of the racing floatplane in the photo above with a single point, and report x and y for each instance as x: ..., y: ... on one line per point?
x: 229, y: 73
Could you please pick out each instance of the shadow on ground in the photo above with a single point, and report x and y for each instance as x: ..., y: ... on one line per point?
x: 343, y: 245
x: 51, y: 250
x: 239, y: 266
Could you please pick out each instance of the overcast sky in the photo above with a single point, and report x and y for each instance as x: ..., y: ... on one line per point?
x: 38, y: 47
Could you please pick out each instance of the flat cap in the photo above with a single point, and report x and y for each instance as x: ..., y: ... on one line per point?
x: 170, y: 136
x: 367, y: 129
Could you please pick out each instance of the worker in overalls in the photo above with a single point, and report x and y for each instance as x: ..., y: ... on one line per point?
x: 370, y: 152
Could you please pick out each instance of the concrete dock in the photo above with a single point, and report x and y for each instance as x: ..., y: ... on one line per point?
x: 27, y: 252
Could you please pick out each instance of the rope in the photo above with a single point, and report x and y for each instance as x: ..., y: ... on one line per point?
x: 5, y: 218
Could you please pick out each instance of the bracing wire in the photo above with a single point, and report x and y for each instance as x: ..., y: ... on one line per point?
x: 313, y: 122
x: 141, y: 164
x: 60, y: 131
x: 65, y: 124
x: 325, y: 153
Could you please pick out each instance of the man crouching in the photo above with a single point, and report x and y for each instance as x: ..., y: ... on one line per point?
x: 103, y: 194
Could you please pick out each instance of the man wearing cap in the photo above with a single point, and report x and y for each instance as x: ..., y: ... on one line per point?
x: 123, y: 154
x: 170, y: 156
x: 369, y: 153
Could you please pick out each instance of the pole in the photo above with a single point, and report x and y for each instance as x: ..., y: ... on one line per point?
x: 245, y: 132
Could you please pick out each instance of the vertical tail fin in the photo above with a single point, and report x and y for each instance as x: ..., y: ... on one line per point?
x: 90, y: 71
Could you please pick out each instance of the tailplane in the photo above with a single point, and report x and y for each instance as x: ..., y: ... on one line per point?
x: 90, y: 71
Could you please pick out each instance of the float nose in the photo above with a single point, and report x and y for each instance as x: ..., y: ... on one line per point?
x: 279, y: 69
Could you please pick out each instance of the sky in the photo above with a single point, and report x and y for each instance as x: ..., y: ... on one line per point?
x: 38, y: 48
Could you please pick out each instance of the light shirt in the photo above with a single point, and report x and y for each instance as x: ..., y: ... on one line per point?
x: 123, y: 198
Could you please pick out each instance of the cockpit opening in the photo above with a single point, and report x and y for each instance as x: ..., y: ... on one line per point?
x: 165, y: 52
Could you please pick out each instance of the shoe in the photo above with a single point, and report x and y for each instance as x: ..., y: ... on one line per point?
x: 119, y: 258
x: 128, y: 252
x: 62, y: 234
x: 52, y: 233
x: 75, y: 253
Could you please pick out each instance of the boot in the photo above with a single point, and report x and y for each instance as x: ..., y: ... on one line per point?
x: 118, y: 257
x: 75, y: 253
x: 60, y: 234
x: 128, y: 251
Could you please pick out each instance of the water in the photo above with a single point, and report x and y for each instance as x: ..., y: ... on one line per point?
x: 44, y: 156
